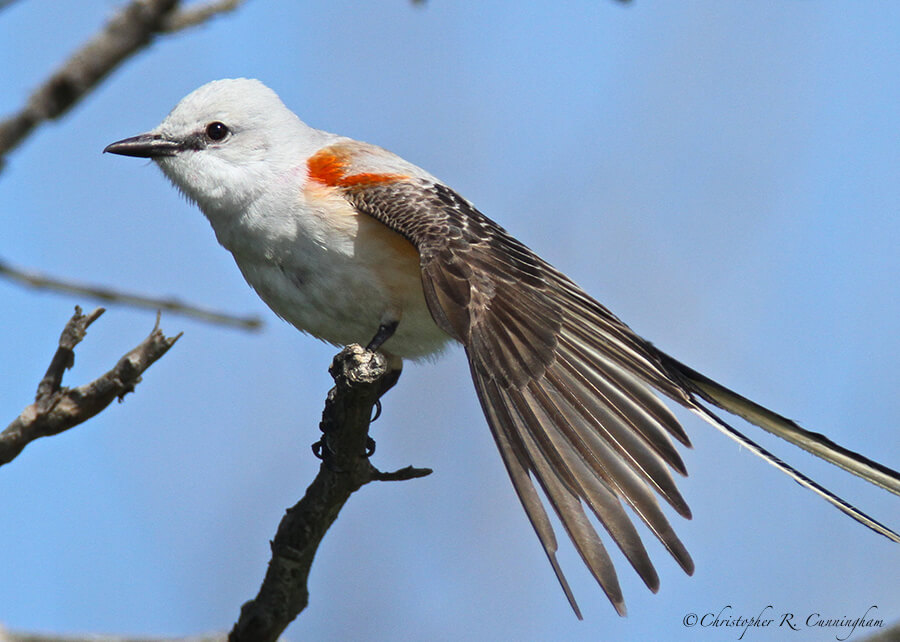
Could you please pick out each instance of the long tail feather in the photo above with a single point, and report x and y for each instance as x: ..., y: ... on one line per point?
x: 812, y: 442
x: 841, y: 504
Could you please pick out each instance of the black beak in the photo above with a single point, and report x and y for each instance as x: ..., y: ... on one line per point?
x: 144, y: 146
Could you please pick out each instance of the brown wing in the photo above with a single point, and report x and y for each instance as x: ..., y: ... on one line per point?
x: 558, y: 376
x: 565, y: 385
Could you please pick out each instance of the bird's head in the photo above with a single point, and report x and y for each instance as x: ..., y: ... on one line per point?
x: 223, y: 143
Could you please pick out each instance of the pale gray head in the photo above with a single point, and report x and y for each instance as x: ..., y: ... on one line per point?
x: 223, y: 142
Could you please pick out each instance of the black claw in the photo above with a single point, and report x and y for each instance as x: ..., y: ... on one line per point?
x: 319, y: 447
x: 385, y: 331
x: 377, y: 410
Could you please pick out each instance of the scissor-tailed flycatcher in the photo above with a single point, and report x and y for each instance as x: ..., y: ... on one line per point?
x: 353, y: 244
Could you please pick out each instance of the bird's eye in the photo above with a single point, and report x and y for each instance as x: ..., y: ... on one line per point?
x: 216, y: 130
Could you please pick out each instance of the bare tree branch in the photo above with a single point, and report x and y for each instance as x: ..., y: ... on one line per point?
x: 134, y: 27
x: 193, y: 16
x: 56, y: 408
x: 21, y: 636
x: 39, y: 280
x: 360, y: 377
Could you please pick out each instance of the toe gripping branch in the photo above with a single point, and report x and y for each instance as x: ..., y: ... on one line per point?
x: 367, y: 366
x: 361, y: 377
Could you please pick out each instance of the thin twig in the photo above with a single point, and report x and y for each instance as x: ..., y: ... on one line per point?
x: 57, y: 409
x: 193, y: 16
x: 39, y: 280
x: 21, y: 636
x: 129, y: 31
x: 360, y: 377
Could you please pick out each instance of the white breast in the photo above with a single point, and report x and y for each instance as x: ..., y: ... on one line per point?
x: 329, y: 270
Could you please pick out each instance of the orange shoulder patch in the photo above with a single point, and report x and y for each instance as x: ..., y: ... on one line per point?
x: 329, y: 168
x: 326, y: 167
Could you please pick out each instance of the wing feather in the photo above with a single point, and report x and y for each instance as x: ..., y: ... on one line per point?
x: 517, y: 466
x: 604, y: 421
x: 564, y: 500
x: 631, y: 398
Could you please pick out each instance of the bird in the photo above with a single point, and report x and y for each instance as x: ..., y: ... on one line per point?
x: 350, y: 243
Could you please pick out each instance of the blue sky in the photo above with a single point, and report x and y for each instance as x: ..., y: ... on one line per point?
x: 722, y: 175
